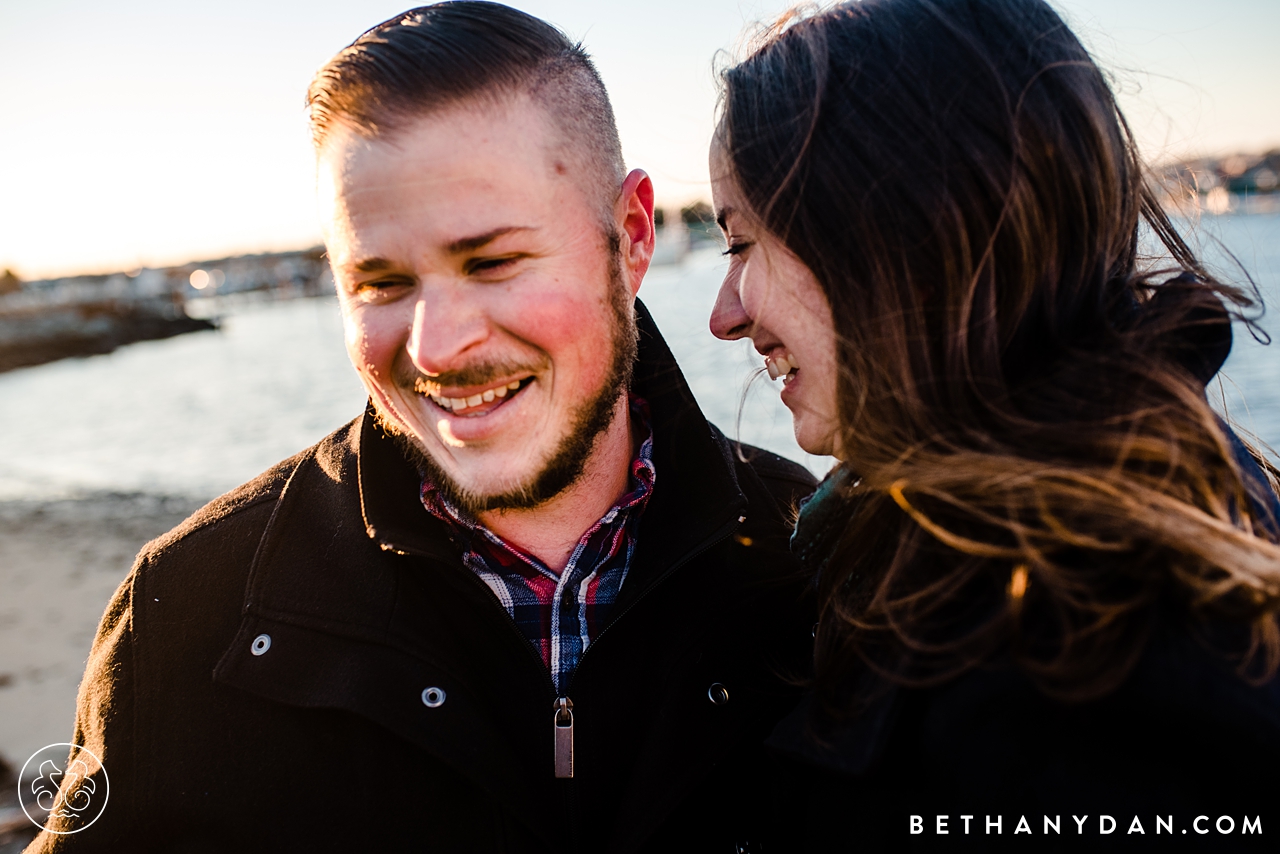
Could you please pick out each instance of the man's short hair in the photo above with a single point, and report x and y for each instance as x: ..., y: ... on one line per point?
x: 441, y: 55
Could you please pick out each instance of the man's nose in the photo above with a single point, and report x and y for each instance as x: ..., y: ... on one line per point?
x: 729, y: 320
x: 446, y: 325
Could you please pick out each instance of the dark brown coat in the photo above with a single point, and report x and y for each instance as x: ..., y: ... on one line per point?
x: 324, y: 743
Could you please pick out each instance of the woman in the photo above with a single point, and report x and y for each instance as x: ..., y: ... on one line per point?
x: 1048, y: 573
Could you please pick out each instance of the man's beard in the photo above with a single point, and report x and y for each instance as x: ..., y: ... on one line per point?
x: 589, y: 421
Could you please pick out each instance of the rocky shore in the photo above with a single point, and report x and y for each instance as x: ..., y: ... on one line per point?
x: 36, y: 336
x: 49, y: 319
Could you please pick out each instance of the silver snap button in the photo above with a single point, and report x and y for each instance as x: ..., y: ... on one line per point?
x: 433, y: 697
x: 718, y: 694
x: 260, y: 644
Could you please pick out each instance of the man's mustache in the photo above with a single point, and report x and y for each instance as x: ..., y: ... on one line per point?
x: 408, y: 377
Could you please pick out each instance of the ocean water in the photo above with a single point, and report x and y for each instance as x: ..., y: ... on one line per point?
x: 198, y: 414
x: 1247, y: 390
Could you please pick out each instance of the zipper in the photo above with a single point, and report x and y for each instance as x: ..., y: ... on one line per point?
x: 562, y: 718
x: 566, y: 740
x: 562, y: 707
x: 563, y: 721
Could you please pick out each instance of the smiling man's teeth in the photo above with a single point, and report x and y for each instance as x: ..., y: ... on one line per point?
x: 487, y: 396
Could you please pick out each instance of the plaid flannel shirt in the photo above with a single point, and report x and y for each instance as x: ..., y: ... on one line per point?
x: 559, y: 613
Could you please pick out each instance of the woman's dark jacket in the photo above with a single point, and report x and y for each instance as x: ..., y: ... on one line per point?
x: 323, y: 742
x: 1184, y: 737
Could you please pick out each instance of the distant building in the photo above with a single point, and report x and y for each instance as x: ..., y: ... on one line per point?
x: 1244, y: 183
x: 280, y: 274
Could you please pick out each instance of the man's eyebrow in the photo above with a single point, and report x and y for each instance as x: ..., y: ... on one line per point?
x: 470, y: 244
x: 465, y: 244
x: 372, y: 265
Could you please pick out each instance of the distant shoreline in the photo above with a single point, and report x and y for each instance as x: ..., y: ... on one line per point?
x: 35, y: 338
x: 50, y: 319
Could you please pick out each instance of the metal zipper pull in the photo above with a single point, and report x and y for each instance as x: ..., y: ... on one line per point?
x: 564, y: 737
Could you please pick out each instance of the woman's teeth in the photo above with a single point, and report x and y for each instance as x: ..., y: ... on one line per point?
x: 780, y: 365
x: 487, y: 396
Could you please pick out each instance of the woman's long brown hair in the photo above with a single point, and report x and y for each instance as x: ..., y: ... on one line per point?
x: 1038, y: 476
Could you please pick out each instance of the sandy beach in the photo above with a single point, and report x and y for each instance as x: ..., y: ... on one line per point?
x: 60, y: 561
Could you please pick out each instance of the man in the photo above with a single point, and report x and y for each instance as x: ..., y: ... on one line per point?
x: 531, y: 600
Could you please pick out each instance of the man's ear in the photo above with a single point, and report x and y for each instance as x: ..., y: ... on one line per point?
x: 634, y: 215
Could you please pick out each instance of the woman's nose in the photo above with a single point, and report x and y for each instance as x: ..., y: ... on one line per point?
x: 729, y: 320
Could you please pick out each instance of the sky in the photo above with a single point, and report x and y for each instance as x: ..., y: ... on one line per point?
x: 150, y: 132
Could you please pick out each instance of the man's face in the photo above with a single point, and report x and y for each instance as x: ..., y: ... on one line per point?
x: 481, y: 295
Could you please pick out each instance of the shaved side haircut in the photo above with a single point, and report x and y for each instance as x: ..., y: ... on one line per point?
x: 446, y: 54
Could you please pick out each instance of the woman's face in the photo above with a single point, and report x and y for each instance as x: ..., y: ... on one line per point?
x: 771, y: 297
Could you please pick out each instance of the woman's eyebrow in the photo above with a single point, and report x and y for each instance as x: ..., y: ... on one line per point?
x: 722, y: 217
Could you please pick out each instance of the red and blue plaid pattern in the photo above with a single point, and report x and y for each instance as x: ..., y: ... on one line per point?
x: 560, y: 613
